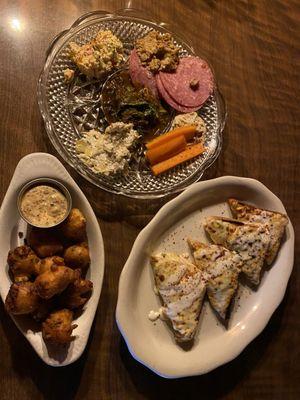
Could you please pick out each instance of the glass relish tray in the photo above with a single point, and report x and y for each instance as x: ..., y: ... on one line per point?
x: 69, y: 110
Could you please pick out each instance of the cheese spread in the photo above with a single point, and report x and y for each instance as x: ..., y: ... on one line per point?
x: 109, y: 152
x: 189, y: 119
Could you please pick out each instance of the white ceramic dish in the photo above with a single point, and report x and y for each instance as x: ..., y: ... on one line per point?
x: 153, y: 344
x: 44, y: 165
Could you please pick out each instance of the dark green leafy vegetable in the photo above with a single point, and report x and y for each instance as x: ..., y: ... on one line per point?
x: 122, y: 101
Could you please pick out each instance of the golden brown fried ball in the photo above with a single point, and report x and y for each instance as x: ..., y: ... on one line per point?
x: 46, y: 263
x: 57, y: 329
x: 74, y: 227
x: 22, y: 298
x: 77, y: 256
x: 54, y: 281
x: 45, y: 242
x: 22, y: 262
x: 44, y: 308
x: 76, y: 294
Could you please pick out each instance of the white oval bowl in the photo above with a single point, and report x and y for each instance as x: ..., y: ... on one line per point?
x: 153, y: 344
x: 33, y: 166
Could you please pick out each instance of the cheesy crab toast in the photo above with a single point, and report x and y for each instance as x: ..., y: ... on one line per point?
x: 221, y: 268
x: 275, y: 221
x: 181, y: 287
x: 249, y: 240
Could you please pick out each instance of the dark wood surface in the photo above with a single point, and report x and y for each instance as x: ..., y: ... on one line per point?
x: 254, y: 48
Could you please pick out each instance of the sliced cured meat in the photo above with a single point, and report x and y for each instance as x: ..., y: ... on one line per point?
x: 168, y: 99
x: 191, y: 84
x: 141, y: 75
x: 133, y: 65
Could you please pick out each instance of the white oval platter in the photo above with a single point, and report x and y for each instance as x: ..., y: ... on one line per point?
x: 152, y: 344
x: 33, y: 166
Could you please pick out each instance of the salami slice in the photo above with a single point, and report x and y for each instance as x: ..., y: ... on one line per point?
x: 133, y: 65
x: 168, y: 99
x: 141, y: 75
x: 191, y: 84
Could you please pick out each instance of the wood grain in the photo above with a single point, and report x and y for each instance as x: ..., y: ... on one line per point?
x: 254, y: 49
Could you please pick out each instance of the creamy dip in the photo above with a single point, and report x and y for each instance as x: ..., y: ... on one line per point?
x: 153, y: 315
x: 44, y: 206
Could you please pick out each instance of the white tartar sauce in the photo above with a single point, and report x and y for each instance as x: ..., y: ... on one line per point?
x: 44, y: 206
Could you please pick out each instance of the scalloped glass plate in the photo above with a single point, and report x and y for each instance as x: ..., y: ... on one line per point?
x: 70, y: 110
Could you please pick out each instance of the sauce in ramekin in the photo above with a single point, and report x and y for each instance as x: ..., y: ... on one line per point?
x: 44, y: 205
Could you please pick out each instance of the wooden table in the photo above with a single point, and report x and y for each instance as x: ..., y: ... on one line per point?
x: 254, y: 48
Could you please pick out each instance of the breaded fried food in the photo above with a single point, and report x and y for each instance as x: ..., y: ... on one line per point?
x: 78, y: 256
x: 76, y: 294
x: 45, y: 242
x: 44, y: 308
x: 74, y: 227
x: 54, y: 281
x: 58, y: 328
x: 21, y: 298
x: 46, y: 263
x: 22, y: 263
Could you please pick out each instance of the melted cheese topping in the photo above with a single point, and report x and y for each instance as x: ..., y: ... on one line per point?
x: 221, y: 269
x: 191, y: 290
x: 182, y: 288
x: 250, y: 241
x: 247, y: 240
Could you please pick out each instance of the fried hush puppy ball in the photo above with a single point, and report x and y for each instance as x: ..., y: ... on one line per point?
x: 54, y: 281
x: 78, y: 256
x: 76, y: 294
x: 21, y: 298
x: 45, y: 242
x: 22, y: 262
x: 57, y: 328
x: 44, y: 308
x: 46, y: 263
x: 74, y: 227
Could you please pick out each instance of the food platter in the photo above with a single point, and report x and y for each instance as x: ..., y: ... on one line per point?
x: 14, y: 231
x: 70, y: 110
x: 215, y: 343
x: 130, y: 105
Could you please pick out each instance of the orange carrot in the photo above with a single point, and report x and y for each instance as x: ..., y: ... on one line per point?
x: 166, y: 150
x: 190, y: 152
x: 187, y: 131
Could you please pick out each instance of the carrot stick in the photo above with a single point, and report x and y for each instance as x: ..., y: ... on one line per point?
x: 187, y: 131
x: 191, y: 152
x: 166, y: 150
